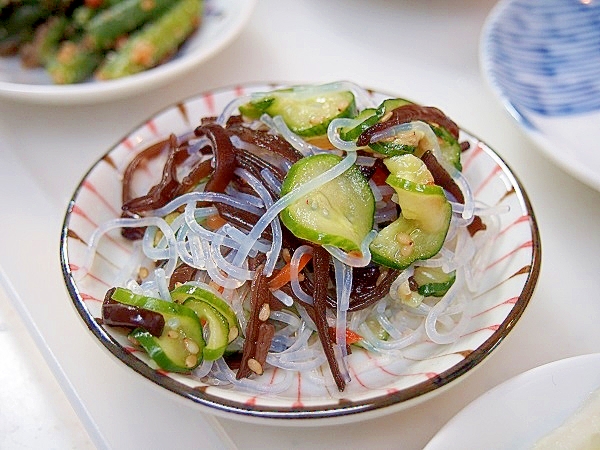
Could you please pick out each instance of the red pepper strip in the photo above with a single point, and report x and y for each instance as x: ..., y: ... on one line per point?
x: 283, y: 277
x: 321, y: 260
x: 351, y: 336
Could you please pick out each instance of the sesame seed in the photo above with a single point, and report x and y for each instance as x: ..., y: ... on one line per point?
x: 255, y: 366
x: 147, y: 5
x: 403, y: 238
x: 191, y: 361
x: 172, y: 334
x: 404, y: 290
x: 233, y: 333
x: 143, y: 272
x: 407, y: 250
x: 265, y: 312
x: 381, y: 277
x: 191, y: 346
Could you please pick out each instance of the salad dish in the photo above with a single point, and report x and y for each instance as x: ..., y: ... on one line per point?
x: 82, y: 52
x: 541, y: 61
x: 539, y: 408
x: 300, y: 252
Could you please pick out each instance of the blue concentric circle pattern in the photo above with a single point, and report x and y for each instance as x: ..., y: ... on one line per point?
x: 544, y: 56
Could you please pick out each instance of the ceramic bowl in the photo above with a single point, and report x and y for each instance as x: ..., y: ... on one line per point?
x: 379, y: 385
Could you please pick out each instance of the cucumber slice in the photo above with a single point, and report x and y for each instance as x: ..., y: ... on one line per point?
x: 182, y: 293
x: 388, y: 105
x: 179, y: 347
x: 339, y: 213
x: 409, y: 168
x: 449, y: 146
x: 401, y: 143
x: 393, y: 148
x: 306, y: 110
x: 433, y: 281
x: 218, y: 328
x: 370, y: 116
x: 169, y: 353
x: 367, y: 118
x: 421, y: 229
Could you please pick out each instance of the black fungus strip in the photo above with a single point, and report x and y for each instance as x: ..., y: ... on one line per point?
x: 321, y: 260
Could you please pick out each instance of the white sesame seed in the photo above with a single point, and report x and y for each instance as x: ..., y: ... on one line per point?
x: 255, y: 366
x: 191, y: 361
x: 172, y: 334
x: 143, y: 272
x: 265, y: 312
x: 233, y: 333
x: 191, y: 346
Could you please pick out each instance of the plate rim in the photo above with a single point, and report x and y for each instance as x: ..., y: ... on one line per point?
x: 100, y: 92
x: 546, y: 369
x: 573, y: 167
x: 353, y: 410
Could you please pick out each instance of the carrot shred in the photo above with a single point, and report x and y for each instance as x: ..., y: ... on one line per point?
x: 352, y: 337
x: 284, y: 275
x: 215, y: 222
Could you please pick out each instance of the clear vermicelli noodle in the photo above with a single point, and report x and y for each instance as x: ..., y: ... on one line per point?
x: 292, y: 243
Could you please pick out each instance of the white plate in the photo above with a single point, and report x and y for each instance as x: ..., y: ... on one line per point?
x: 520, y: 411
x: 381, y: 384
x: 223, y: 20
x: 542, y: 59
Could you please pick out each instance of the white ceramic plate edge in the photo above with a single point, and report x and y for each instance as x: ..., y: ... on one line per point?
x: 520, y: 411
x: 133, y: 84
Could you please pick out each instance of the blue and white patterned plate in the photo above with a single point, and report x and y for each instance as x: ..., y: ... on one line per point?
x: 542, y: 59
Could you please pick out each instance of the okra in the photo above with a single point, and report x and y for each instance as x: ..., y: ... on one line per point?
x: 105, y: 28
x: 45, y: 42
x: 73, y: 63
x: 154, y: 42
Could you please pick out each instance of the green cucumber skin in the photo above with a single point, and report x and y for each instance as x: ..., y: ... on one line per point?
x: 307, y: 113
x: 168, y: 353
x: 368, y: 116
x: 386, y: 252
x: 433, y: 281
x: 424, y: 219
x: 185, y: 291
x: 449, y: 147
x: 392, y: 148
x: 346, y: 223
x: 217, y: 325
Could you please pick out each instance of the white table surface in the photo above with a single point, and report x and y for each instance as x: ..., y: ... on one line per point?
x: 60, y: 389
